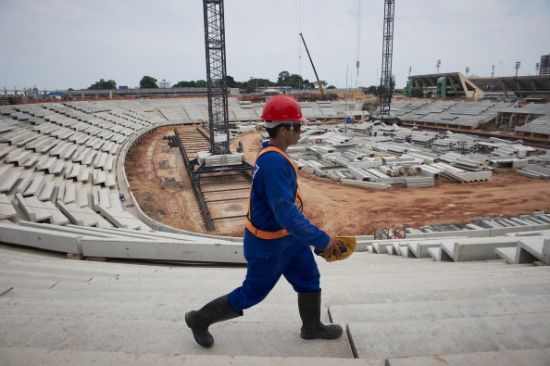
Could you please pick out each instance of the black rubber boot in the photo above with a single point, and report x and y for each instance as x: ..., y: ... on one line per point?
x: 215, y: 311
x: 309, y: 305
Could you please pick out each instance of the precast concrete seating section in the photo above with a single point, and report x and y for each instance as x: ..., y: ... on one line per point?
x: 539, y: 125
x: 460, y: 114
x: 395, y: 311
x: 59, y: 160
x: 519, y: 240
x: 62, y: 165
x: 400, y: 108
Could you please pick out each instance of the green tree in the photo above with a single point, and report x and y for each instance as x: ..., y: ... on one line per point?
x: 102, y: 84
x: 230, y: 82
x: 331, y: 87
x: 373, y: 89
x: 283, y: 78
x: 148, y: 82
x: 201, y: 84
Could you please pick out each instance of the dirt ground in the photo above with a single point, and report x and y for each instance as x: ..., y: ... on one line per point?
x: 164, y: 193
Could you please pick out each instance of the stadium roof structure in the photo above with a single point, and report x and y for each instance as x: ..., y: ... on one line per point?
x: 458, y: 85
x: 521, y: 86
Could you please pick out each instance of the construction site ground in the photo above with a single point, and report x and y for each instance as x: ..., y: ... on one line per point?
x: 160, y: 184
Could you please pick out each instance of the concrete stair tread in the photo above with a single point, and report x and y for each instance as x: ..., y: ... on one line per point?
x: 210, y: 281
x: 171, y: 309
x: 48, y: 357
x: 395, y: 284
x: 450, y: 271
x: 75, y: 268
x: 531, y: 357
x: 366, y: 296
x: 233, y: 338
x: 68, y: 269
x: 444, y: 309
x: 450, y: 336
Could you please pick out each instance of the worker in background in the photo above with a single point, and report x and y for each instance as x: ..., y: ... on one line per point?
x: 277, y: 237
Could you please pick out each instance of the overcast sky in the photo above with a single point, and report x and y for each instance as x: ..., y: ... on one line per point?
x: 54, y: 44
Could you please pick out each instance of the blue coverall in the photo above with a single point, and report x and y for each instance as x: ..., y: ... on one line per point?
x: 272, y: 208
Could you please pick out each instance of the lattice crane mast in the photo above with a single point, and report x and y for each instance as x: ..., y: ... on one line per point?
x: 385, y: 90
x: 214, y: 33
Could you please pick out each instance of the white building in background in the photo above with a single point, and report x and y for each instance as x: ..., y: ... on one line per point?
x: 164, y: 84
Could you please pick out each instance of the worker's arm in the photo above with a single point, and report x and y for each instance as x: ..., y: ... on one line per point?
x: 279, y: 183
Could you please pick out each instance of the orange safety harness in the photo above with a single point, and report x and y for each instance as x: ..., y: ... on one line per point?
x: 298, y: 201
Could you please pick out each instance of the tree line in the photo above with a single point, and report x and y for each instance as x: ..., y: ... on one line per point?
x: 284, y: 79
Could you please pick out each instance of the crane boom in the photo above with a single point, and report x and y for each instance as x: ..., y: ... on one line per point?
x: 313, y: 66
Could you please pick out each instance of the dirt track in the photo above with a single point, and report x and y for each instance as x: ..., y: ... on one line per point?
x: 335, y: 208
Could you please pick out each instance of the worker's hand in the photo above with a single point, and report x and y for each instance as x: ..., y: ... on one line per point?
x: 334, y: 247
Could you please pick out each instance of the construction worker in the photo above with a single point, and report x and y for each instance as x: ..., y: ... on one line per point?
x: 277, y: 237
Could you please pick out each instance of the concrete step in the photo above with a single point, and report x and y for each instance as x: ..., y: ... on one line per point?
x: 508, y: 254
x: 93, y: 269
x: 430, y: 269
x: 394, y: 283
x: 27, y: 283
x: 531, y: 357
x: 152, y: 308
x: 374, y: 296
x: 430, y: 310
x: 233, y: 338
x: 156, y: 272
x: 450, y: 336
x: 473, y: 249
x: 14, y: 356
x: 343, y: 284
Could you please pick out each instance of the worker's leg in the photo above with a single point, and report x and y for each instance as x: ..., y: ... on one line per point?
x: 261, y: 276
x: 302, y: 272
x: 215, y: 311
x: 303, y: 275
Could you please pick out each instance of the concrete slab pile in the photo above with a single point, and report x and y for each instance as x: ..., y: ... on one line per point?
x: 535, y: 171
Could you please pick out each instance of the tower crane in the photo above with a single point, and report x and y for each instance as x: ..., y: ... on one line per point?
x: 385, y: 90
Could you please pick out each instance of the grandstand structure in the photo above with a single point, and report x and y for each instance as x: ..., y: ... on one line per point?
x: 526, y: 121
x: 520, y: 86
x: 447, y: 292
x: 452, y: 85
x: 63, y: 164
x: 457, y: 85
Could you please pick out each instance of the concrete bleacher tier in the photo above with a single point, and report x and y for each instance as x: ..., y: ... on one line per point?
x: 449, y: 296
x: 471, y: 115
x: 395, y: 311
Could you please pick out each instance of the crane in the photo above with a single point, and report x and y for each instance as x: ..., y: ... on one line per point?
x: 385, y: 90
x: 313, y: 66
x: 216, y: 76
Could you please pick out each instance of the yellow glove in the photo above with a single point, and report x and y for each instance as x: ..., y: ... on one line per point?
x: 347, y: 249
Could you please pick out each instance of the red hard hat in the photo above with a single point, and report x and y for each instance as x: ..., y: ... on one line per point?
x: 282, y: 108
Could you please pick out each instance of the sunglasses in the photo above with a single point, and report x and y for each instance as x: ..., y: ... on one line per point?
x: 296, y: 127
